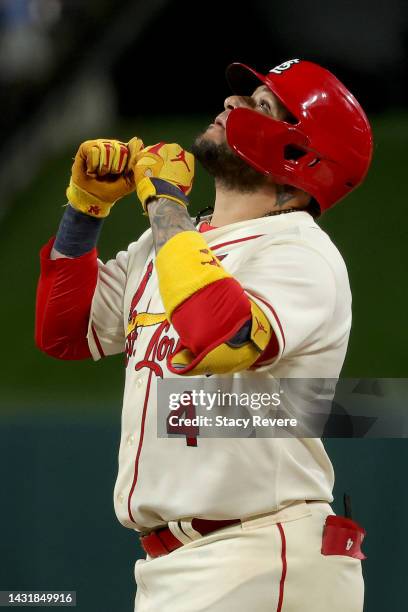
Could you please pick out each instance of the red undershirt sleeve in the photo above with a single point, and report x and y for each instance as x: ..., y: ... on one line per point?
x: 64, y: 297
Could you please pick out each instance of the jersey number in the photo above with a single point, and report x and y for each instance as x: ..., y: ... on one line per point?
x: 184, y: 412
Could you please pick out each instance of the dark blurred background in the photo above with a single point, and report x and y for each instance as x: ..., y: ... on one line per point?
x: 71, y: 70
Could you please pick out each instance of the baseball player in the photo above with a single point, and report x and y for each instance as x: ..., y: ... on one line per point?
x: 254, y: 293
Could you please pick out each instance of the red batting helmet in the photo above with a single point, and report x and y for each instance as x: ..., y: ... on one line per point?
x: 326, y: 150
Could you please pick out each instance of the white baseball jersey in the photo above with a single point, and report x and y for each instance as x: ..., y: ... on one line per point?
x: 290, y: 267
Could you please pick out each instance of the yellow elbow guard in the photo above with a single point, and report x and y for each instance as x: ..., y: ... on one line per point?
x: 186, y: 264
x: 226, y: 359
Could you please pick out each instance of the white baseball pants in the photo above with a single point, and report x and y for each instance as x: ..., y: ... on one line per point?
x: 271, y: 563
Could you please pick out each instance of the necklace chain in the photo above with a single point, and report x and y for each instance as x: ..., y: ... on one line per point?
x: 281, y: 212
x: 272, y: 213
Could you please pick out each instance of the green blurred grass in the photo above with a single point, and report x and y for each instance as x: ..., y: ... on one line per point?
x: 369, y: 228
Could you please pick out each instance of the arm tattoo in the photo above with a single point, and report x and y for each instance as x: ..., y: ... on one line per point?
x: 167, y: 219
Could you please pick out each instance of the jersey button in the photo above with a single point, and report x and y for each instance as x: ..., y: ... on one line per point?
x: 139, y: 382
x: 130, y: 440
x: 120, y: 498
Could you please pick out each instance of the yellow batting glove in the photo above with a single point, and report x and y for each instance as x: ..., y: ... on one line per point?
x: 164, y: 170
x: 100, y: 175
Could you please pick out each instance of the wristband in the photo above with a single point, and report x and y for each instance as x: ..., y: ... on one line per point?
x: 148, y: 188
x: 78, y: 233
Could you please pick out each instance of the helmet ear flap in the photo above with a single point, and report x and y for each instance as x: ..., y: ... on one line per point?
x: 283, y: 151
x: 300, y: 160
x: 270, y: 146
x: 292, y: 152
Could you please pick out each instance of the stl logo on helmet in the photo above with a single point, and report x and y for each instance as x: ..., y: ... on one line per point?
x: 284, y: 66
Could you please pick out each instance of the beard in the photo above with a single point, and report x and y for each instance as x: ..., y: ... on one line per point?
x: 230, y: 171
